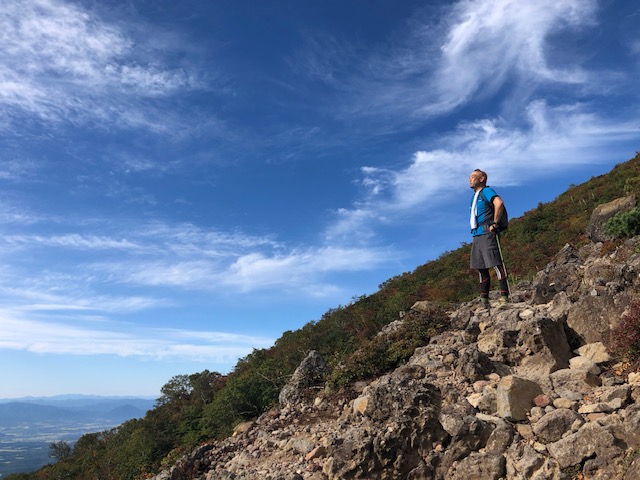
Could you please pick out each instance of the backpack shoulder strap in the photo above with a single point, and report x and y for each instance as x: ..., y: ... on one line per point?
x: 485, y: 199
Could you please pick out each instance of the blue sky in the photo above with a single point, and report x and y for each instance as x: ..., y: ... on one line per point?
x: 182, y: 182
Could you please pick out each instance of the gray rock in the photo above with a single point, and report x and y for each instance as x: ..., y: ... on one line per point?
x: 515, y: 397
x: 573, y: 384
x: 602, y: 213
x: 633, y: 472
x: 592, y: 439
x: 473, y: 364
x: 524, y: 463
x: 311, y: 371
x: 583, y: 363
x: 479, y: 466
x: 471, y: 437
x: 546, y: 344
x: 563, y: 274
x: 553, y: 425
x: 500, y: 439
x: 591, y: 317
x: 627, y: 428
x: 608, y: 394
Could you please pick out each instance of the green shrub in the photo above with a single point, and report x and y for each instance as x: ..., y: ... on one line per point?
x: 383, y: 353
x: 632, y: 186
x: 624, y: 224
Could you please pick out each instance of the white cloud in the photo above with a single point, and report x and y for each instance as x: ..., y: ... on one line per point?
x: 61, y: 62
x: 554, y: 139
x: 63, y: 339
x: 196, y: 274
x: 479, y: 48
x: 94, y: 273
x: 73, y: 241
x: 490, y: 41
x: 356, y: 225
x: 61, y: 293
x: 303, y: 271
x: 298, y: 270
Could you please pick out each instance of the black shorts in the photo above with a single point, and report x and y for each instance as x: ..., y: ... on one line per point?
x: 485, y: 252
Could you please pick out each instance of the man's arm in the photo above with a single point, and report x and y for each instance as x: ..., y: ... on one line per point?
x: 498, y: 208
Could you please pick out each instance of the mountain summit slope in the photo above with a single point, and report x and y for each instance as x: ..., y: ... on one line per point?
x: 366, y: 344
x: 525, y: 391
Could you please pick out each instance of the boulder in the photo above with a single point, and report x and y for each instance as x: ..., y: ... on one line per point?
x: 471, y: 437
x: 627, y: 427
x: 407, y: 405
x: 583, y: 363
x: 563, y: 274
x: 515, y: 397
x: 602, y: 213
x: 473, y: 364
x: 612, y: 393
x: 591, y: 440
x: 553, y: 425
x: 592, y: 317
x: 500, y: 439
x: 546, y: 347
x: 479, y: 466
x: 596, y: 352
x: 312, y: 371
x: 523, y: 462
x: 573, y: 384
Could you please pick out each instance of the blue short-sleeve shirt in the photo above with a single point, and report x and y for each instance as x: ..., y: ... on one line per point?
x: 484, y: 209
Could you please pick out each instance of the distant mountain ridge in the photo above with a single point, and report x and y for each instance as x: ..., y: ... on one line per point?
x: 21, y: 412
x: 29, y: 424
x: 73, y: 408
x: 74, y: 397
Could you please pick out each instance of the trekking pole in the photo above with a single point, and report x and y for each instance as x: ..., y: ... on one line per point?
x: 504, y: 265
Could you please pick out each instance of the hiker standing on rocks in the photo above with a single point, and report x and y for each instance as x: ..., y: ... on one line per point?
x: 486, y: 210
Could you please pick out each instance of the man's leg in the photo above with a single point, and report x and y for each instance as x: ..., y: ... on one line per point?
x: 501, y: 272
x: 485, y: 285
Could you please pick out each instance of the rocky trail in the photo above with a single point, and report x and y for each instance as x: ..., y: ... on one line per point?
x: 527, y: 390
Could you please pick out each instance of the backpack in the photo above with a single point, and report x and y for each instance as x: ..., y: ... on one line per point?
x: 503, y: 222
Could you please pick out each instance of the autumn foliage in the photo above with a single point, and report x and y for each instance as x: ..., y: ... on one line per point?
x: 624, y: 339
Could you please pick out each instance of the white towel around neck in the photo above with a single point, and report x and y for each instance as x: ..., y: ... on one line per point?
x: 473, y: 219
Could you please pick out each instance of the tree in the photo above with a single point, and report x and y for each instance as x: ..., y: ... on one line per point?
x: 178, y: 388
x: 59, y: 450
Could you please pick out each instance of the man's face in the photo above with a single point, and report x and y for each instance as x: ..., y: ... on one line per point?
x: 475, y: 179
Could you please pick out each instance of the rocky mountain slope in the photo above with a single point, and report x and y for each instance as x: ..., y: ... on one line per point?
x: 524, y: 391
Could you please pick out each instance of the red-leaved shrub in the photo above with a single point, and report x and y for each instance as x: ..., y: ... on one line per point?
x: 624, y: 339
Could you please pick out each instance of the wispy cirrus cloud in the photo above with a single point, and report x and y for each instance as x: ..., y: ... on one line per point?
x: 553, y: 140
x: 69, y: 293
x: 491, y: 43
x: 73, y: 241
x: 94, y: 272
x: 47, y: 337
x: 305, y: 271
x: 473, y: 50
x: 300, y: 270
x: 61, y: 62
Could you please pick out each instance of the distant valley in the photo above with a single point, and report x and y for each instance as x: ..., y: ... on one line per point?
x: 28, y: 425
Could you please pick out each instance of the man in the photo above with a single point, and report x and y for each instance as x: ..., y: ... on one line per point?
x: 486, y: 210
